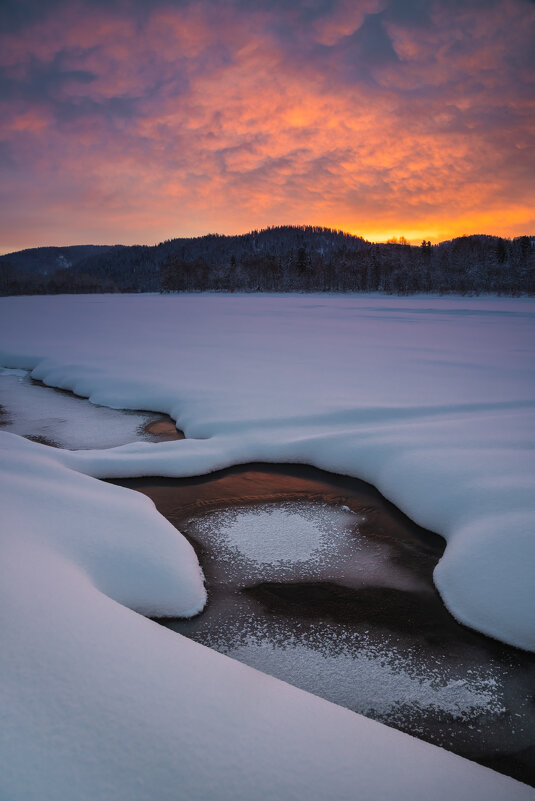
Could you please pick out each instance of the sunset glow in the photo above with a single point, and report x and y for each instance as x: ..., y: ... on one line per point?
x: 136, y: 122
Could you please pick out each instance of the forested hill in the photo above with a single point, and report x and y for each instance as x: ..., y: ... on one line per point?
x: 283, y: 259
x: 47, y: 260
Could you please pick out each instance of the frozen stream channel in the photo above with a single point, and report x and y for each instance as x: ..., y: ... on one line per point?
x: 63, y: 420
x: 316, y: 579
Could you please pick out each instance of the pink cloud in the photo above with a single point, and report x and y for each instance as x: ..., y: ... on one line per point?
x: 209, y: 117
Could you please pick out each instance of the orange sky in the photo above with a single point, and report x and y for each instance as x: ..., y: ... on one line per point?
x: 140, y: 122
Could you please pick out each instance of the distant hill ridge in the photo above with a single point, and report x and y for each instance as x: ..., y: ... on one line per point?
x: 283, y: 258
x: 45, y: 260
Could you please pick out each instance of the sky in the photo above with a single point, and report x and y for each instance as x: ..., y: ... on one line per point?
x: 140, y: 121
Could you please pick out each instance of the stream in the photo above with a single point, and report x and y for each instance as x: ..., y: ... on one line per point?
x: 318, y: 580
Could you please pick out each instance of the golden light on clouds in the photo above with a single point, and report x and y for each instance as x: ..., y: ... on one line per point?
x: 138, y: 124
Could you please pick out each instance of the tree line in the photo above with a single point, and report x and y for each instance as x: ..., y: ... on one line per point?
x: 287, y: 259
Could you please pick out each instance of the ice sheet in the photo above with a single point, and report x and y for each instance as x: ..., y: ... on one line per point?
x: 62, y: 419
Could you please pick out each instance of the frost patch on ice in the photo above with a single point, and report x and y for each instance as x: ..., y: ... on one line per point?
x: 298, y: 541
x: 283, y: 536
x: 370, y: 679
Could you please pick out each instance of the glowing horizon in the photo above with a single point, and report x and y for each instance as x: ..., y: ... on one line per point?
x: 383, y: 118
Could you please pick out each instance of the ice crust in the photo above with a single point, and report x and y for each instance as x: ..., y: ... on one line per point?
x: 431, y: 400
x: 63, y: 419
x: 298, y: 541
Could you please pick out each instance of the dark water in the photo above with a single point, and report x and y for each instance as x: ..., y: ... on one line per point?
x: 360, y: 624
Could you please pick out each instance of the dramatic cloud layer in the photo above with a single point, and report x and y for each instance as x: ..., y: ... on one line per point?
x: 136, y: 122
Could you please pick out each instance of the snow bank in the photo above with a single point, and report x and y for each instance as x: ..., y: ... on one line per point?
x: 101, y: 704
x: 115, y: 537
x: 430, y: 400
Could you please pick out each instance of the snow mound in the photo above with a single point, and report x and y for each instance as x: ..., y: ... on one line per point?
x: 502, y: 546
x: 115, y: 537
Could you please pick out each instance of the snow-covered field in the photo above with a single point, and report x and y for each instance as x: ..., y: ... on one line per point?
x: 431, y: 400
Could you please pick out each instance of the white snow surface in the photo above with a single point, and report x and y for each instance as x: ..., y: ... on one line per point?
x: 431, y: 400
